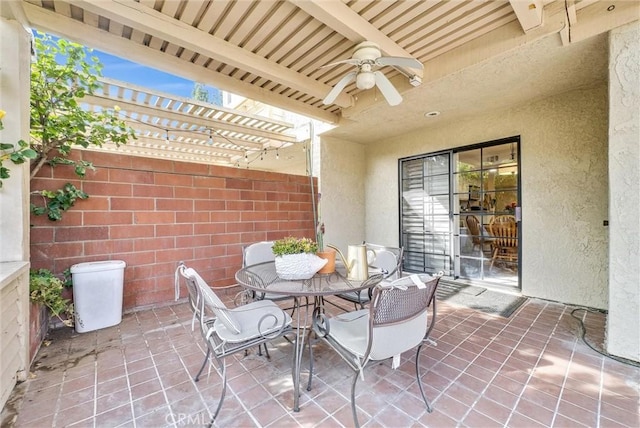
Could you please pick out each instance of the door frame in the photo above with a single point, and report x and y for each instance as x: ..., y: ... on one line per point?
x: 454, y: 211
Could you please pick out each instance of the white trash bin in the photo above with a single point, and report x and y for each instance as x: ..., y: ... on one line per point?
x: 97, y: 294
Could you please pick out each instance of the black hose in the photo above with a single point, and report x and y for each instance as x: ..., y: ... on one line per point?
x: 606, y: 354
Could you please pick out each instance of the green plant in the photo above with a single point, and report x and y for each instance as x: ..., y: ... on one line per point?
x: 61, y: 76
x: 46, y: 289
x: 292, y: 245
x: 57, y: 202
x: 320, y: 236
x: 17, y: 155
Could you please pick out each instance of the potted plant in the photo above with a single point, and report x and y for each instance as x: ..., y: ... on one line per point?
x: 296, y: 258
x: 325, y: 253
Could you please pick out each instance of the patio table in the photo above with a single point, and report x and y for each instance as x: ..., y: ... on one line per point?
x: 262, y: 277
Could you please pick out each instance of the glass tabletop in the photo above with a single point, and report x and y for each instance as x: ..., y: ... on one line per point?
x: 262, y: 277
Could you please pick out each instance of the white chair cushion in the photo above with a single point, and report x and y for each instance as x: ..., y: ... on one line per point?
x: 390, y: 340
x: 386, y: 260
x: 350, y: 330
x: 220, y: 310
x: 255, y: 319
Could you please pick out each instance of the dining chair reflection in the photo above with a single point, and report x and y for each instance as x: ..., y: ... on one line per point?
x: 504, y: 229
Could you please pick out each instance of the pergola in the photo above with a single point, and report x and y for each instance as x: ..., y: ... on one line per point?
x: 176, y: 128
x: 273, y: 51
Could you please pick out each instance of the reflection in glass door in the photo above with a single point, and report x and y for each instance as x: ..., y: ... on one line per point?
x: 486, y: 213
x: 426, y: 214
x: 460, y: 212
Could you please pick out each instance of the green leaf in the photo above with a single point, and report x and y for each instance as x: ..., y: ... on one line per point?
x: 30, y: 153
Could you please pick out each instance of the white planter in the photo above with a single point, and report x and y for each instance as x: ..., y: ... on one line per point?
x: 298, y: 266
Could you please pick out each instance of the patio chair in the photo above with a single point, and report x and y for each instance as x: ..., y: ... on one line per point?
x: 229, y: 331
x: 396, y: 321
x: 260, y: 252
x: 388, y: 260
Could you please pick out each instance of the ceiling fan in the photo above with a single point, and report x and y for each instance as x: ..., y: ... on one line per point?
x: 366, y: 56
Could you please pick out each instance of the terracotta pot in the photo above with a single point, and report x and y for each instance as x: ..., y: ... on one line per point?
x: 330, y: 255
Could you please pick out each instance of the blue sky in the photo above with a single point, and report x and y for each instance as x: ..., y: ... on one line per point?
x: 121, y: 69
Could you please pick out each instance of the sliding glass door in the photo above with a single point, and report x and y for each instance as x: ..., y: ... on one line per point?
x: 460, y: 212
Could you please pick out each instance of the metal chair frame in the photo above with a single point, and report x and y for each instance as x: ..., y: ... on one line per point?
x: 219, y: 341
x: 399, y: 311
x: 361, y: 298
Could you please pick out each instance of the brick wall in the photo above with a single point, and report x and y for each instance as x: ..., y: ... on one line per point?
x: 153, y: 213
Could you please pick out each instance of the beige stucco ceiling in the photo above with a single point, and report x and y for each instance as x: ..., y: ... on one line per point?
x: 477, y: 55
x: 530, y: 73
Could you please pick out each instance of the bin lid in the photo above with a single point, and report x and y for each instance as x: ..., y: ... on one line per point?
x: 97, y: 266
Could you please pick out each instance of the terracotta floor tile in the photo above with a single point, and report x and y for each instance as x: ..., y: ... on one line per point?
x: 438, y: 419
x: 561, y: 421
x: 477, y: 419
x: 525, y: 371
x: 268, y: 412
x: 501, y: 396
x: 608, y: 423
x: 492, y: 409
x: 519, y: 420
x: 161, y: 417
x: 392, y: 417
x: 534, y: 411
x: 109, y: 386
x: 451, y: 407
x: 114, y: 417
x: 112, y: 401
x: 630, y: 417
x: 543, y: 399
x: 149, y: 404
x: 571, y: 411
x: 145, y: 388
x: 75, y: 414
x: 76, y: 397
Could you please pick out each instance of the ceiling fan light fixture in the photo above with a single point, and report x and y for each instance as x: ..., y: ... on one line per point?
x: 367, y: 57
x: 365, y: 80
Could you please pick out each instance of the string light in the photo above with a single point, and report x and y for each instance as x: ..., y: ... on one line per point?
x: 209, y: 132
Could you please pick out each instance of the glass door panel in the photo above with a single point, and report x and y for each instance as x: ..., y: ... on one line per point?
x: 486, y: 180
x: 425, y: 218
x: 450, y: 202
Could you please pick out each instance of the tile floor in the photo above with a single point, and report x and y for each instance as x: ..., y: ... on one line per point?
x: 530, y: 370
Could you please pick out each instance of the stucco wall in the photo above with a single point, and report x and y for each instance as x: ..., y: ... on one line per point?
x: 623, y: 328
x: 564, y: 188
x: 342, y: 207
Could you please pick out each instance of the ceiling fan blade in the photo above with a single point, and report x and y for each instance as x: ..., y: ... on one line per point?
x: 342, y: 83
x: 387, y: 89
x: 351, y: 61
x: 400, y: 62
